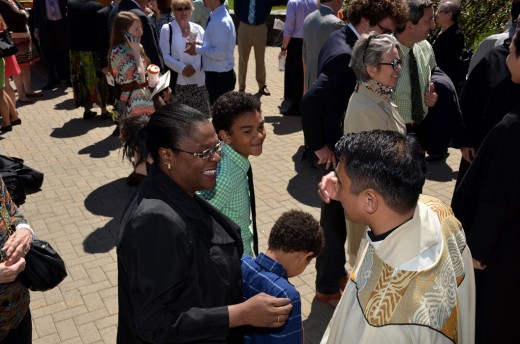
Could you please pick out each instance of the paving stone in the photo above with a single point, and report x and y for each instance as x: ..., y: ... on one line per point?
x: 84, y: 194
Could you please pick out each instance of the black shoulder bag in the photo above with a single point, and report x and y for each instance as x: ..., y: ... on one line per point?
x: 44, y: 268
x: 7, y: 47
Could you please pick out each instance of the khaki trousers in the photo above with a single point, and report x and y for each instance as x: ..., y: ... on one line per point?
x: 251, y: 36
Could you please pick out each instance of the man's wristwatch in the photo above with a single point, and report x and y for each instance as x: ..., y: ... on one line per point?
x: 283, y: 49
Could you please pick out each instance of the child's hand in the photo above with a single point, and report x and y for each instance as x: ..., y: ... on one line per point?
x: 133, y: 44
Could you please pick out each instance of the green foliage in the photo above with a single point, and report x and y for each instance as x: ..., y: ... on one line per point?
x: 479, y: 18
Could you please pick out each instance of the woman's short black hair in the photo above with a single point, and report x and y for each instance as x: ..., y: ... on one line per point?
x: 170, y: 125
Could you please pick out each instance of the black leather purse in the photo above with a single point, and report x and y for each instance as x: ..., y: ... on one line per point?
x: 7, y: 47
x: 44, y: 268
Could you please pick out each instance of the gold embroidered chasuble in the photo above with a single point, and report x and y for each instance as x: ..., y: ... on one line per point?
x: 386, y: 303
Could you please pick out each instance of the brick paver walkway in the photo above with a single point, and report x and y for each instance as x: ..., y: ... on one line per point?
x: 84, y: 193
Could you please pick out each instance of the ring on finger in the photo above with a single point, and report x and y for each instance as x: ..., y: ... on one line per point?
x: 278, y: 318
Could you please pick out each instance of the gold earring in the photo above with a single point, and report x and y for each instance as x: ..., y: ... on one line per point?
x: 168, y: 165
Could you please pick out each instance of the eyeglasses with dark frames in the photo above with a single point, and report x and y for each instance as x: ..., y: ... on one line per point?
x: 205, y: 154
x: 395, y: 63
x: 186, y: 8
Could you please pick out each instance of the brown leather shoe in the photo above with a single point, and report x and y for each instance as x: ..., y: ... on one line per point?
x: 264, y: 91
x: 329, y: 299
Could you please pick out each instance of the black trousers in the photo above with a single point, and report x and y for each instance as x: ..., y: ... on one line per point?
x: 330, y: 264
x: 218, y: 83
x: 293, y: 77
x: 22, y: 334
x: 55, y: 50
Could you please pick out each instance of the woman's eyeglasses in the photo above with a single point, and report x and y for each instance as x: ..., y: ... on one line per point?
x: 395, y: 63
x: 206, y: 154
x: 186, y: 8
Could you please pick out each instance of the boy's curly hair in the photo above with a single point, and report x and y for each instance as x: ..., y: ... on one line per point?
x: 296, y: 231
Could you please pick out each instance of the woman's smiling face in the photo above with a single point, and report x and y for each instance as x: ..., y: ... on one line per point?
x: 193, y: 173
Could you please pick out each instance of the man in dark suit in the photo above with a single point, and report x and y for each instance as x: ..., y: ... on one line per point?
x: 103, y: 34
x: 487, y: 96
x: 149, y: 40
x: 443, y: 125
x: 50, y: 28
x: 323, y: 108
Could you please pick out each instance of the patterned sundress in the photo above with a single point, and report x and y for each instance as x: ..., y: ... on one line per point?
x: 124, y: 68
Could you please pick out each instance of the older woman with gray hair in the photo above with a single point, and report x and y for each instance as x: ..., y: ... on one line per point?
x: 376, y: 63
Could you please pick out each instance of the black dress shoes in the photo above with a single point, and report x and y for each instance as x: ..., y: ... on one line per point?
x: 89, y: 114
x: 264, y: 91
x: 6, y: 128
x: 437, y: 157
x: 51, y: 85
x: 290, y: 112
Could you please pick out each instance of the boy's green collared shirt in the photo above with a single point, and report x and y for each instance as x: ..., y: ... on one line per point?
x: 231, y: 195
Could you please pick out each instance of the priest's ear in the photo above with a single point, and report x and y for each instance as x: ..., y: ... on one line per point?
x: 371, y: 198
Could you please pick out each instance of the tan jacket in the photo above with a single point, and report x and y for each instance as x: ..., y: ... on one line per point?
x: 368, y: 111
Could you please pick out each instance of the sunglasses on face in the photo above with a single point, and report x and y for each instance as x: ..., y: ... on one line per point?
x: 395, y: 63
x: 384, y: 30
x: 205, y: 154
x: 186, y: 8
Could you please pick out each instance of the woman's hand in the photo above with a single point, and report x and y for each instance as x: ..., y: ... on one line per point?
x: 282, y: 53
x: 8, y: 273
x: 188, y: 71
x: 190, y: 49
x: 17, y: 246
x: 261, y: 310
x: 326, y: 156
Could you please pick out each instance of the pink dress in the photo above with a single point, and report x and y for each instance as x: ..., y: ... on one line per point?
x: 11, y: 67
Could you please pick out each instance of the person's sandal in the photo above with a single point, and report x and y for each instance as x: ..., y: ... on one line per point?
x: 16, y: 122
x: 6, y: 128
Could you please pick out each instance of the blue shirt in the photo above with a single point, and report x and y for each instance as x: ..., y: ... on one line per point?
x: 219, y: 42
x: 297, y: 10
x: 262, y: 10
x: 264, y: 274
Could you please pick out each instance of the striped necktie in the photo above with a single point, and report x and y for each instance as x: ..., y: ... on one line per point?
x: 251, y: 17
x: 417, y: 107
